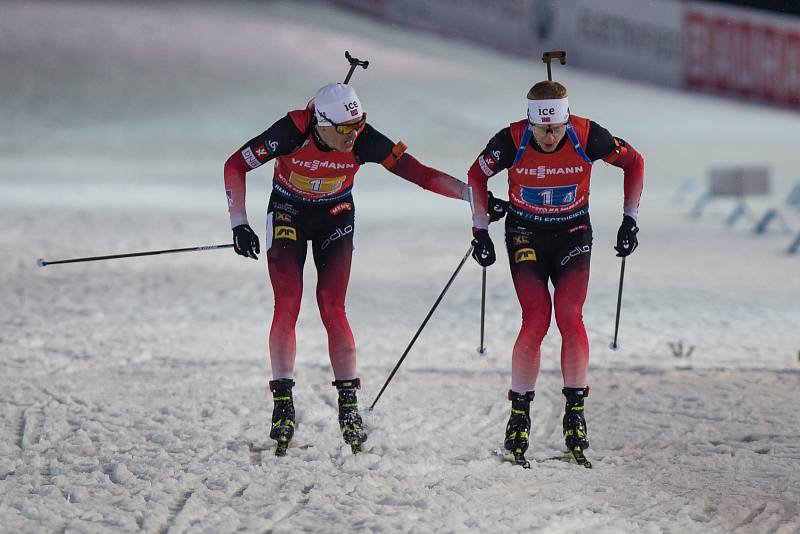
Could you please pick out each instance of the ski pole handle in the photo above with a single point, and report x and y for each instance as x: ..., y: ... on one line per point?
x: 41, y: 263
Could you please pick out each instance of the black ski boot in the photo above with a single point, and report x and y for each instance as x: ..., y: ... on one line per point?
x: 575, y: 434
x: 282, y: 414
x: 349, y: 418
x: 519, y: 425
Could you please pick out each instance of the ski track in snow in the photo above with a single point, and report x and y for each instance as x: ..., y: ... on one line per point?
x: 134, y: 394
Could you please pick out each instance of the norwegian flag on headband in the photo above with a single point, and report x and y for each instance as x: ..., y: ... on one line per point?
x: 353, y: 112
x: 545, y: 119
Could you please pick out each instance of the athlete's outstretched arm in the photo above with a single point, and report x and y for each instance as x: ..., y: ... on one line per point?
x: 372, y: 146
x: 478, y: 181
x: 409, y: 168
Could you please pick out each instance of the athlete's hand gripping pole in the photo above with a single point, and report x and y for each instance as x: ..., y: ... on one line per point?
x: 547, y: 57
x: 354, y: 62
x: 41, y: 263
x: 435, y: 304
x: 614, y: 345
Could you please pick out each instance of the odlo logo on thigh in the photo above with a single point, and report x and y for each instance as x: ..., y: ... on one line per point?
x: 577, y: 251
x: 338, y: 233
x: 524, y: 254
x: 285, y: 232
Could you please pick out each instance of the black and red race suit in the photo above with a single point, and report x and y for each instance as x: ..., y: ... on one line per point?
x: 311, y: 201
x: 549, y: 235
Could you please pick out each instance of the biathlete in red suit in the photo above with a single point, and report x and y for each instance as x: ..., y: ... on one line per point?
x: 549, y: 159
x: 317, y: 151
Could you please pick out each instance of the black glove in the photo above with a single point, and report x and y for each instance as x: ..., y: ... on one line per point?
x: 497, y: 208
x: 483, y: 248
x: 626, y: 237
x: 245, y: 241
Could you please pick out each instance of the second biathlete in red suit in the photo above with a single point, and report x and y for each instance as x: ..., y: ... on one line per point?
x: 311, y: 202
x: 548, y: 232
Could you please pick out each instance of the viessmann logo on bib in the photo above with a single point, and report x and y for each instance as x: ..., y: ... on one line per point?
x: 317, y: 164
x: 542, y: 171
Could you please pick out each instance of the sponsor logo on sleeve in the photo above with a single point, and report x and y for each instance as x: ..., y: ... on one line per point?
x: 486, y: 164
x: 520, y: 240
x: 524, y: 254
x: 282, y: 217
x: 261, y: 151
x: 273, y: 146
x: 229, y: 194
x: 285, y: 232
x: 339, y: 208
x: 250, y: 158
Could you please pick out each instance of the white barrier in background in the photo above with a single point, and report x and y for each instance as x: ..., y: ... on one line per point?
x: 737, y: 183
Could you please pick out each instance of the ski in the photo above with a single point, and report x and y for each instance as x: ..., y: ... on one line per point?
x: 571, y: 457
x: 282, y: 446
x: 513, y: 458
x: 518, y: 458
x: 577, y: 456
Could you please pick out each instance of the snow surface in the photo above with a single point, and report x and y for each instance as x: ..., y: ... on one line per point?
x: 133, y: 391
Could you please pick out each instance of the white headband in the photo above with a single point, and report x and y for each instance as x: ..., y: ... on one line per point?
x: 552, y: 111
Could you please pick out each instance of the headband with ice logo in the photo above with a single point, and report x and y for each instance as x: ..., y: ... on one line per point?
x: 553, y: 111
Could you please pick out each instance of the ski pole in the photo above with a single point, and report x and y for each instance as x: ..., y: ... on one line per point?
x: 41, y: 263
x: 482, y: 348
x: 614, y: 345
x: 435, y: 304
x: 547, y: 57
x: 354, y: 62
